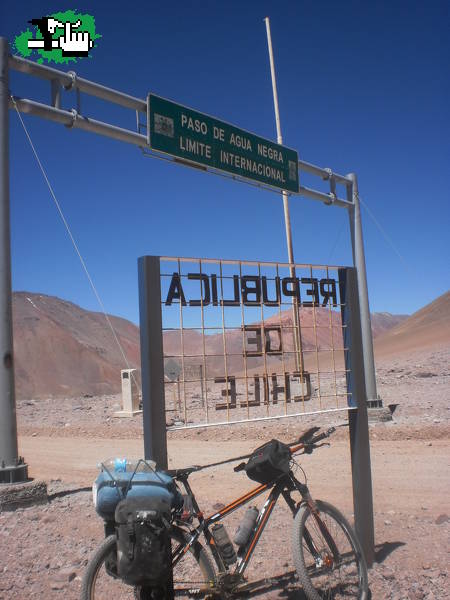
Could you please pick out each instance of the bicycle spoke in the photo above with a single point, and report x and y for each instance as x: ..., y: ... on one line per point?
x: 330, y: 559
x: 189, y: 579
x: 107, y: 587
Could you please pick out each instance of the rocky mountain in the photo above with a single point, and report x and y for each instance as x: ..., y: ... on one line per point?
x: 61, y: 349
x: 383, y: 321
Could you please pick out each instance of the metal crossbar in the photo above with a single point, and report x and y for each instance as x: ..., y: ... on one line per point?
x: 70, y: 81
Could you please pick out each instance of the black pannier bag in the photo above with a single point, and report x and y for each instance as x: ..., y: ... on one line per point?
x: 268, y: 462
x: 143, y: 541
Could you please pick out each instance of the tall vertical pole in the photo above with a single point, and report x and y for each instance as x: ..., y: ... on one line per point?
x: 359, y: 261
x: 201, y: 385
x: 358, y: 420
x: 12, y: 468
x: 152, y: 361
x: 152, y: 370
x: 287, y: 219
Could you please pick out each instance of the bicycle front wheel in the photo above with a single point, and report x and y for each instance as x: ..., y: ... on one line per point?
x: 193, y: 576
x: 327, y: 555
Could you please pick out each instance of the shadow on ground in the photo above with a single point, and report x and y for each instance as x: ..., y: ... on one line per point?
x: 383, y: 550
x: 63, y: 493
x: 287, y: 584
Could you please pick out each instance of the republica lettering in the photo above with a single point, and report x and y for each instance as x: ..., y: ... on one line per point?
x: 251, y: 290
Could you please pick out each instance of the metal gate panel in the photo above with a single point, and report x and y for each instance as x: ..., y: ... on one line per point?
x: 232, y: 351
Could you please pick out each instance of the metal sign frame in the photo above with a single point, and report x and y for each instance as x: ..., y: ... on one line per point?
x: 11, y: 465
x: 153, y: 396
x: 69, y: 81
x: 229, y: 341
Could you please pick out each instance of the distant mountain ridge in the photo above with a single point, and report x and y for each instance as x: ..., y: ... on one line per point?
x: 426, y: 328
x: 61, y: 349
x: 383, y: 321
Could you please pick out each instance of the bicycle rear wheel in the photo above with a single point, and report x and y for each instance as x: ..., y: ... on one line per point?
x: 327, y: 555
x: 192, y: 576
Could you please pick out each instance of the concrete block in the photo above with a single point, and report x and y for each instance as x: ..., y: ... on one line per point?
x: 21, y: 495
x: 130, y: 394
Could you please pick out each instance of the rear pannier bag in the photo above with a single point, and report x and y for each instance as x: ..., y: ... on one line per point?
x: 143, y: 541
x: 268, y: 462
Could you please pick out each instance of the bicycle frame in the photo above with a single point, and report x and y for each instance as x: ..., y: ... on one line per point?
x: 283, y: 486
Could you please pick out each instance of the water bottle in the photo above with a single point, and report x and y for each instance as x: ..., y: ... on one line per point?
x: 223, y: 544
x: 246, y: 527
x: 120, y: 465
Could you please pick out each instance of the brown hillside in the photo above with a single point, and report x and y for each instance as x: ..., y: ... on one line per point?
x: 62, y: 350
x: 315, y: 328
x: 428, y: 327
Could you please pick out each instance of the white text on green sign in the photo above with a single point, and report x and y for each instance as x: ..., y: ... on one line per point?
x: 199, y: 138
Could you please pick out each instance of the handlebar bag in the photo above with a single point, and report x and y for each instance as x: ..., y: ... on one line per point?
x: 143, y: 542
x: 268, y: 462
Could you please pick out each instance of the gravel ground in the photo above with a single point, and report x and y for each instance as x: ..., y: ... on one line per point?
x: 45, y: 548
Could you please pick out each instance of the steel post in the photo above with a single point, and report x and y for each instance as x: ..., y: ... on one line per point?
x: 358, y: 419
x: 12, y: 467
x: 152, y: 362
x: 152, y: 369
x: 299, y: 364
x: 359, y: 262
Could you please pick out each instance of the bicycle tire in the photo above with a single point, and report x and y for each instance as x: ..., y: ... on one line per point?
x: 97, y: 584
x: 325, y: 575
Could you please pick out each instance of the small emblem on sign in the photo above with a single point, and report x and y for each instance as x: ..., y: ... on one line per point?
x: 164, y: 125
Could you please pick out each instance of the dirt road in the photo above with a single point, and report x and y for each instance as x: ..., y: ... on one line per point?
x: 45, y: 549
x: 402, y: 471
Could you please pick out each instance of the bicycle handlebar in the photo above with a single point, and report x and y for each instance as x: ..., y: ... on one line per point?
x: 309, y: 445
x: 321, y: 436
x: 301, y: 444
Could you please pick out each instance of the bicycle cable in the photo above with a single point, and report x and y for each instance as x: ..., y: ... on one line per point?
x: 299, y: 466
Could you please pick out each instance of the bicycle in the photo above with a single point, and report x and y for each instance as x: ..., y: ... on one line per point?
x: 327, y: 554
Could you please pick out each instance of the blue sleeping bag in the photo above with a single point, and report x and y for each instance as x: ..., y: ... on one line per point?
x: 120, y: 479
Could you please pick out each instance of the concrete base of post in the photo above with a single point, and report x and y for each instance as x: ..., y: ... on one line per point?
x: 14, y: 473
x: 378, y: 403
x: 21, y: 495
x: 127, y: 413
x: 379, y: 414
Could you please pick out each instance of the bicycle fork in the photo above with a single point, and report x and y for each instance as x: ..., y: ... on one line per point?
x: 320, y: 559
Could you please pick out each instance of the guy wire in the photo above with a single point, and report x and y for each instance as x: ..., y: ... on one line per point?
x: 72, y: 239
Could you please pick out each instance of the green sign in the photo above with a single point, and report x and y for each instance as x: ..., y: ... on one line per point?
x: 204, y: 140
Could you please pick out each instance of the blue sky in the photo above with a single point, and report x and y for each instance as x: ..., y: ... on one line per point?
x: 363, y: 87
